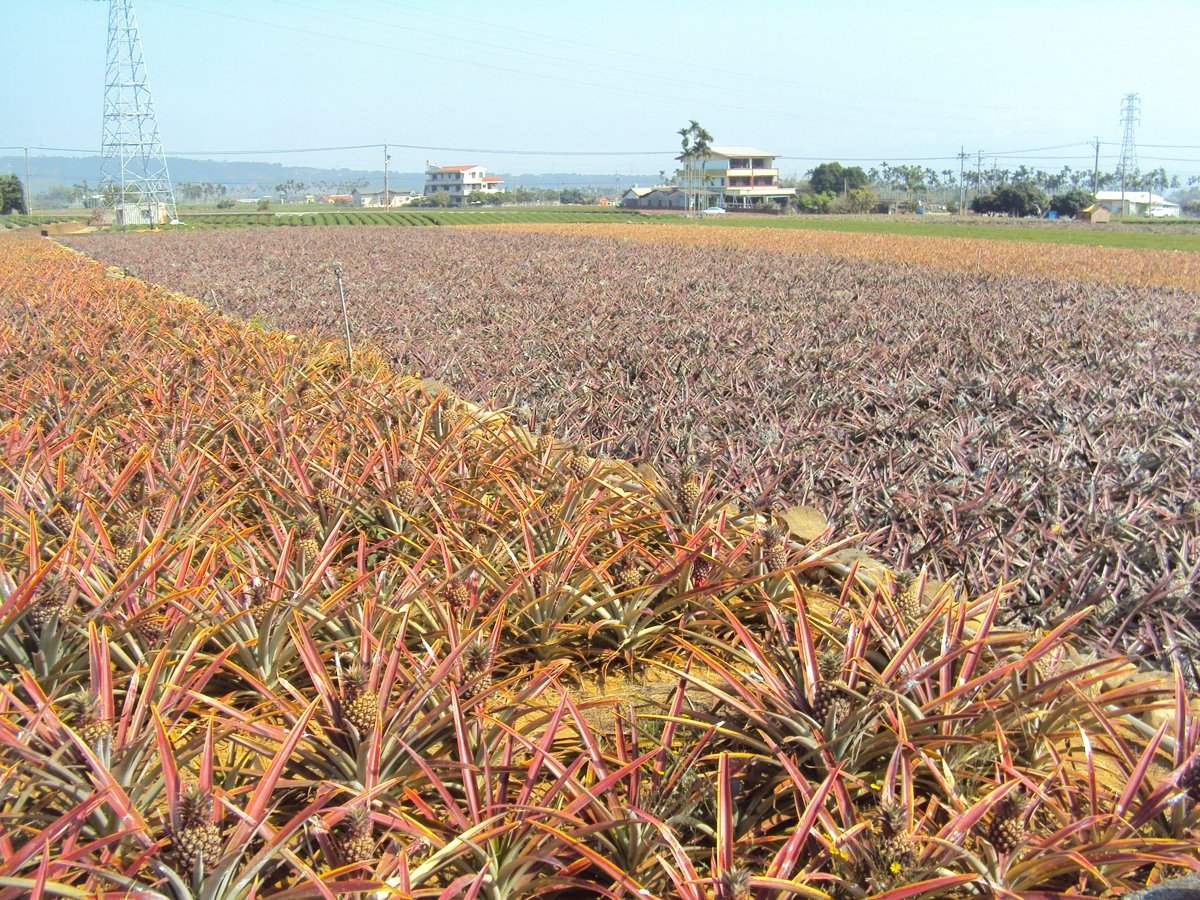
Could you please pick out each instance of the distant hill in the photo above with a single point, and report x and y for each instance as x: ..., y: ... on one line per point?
x: 252, y: 179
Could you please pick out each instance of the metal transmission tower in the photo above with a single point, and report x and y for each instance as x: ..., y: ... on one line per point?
x: 133, y: 169
x: 1130, y: 115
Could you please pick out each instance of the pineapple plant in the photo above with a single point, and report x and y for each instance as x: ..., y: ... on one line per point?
x: 406, y: 493
x: 353, y: 837
x: 704, y: 567
x: 196, y: 843
x: 629, y: 572
x: 323, y: 494
x: 156, y: 509
x: 358, y: 704
x: 151, y: 625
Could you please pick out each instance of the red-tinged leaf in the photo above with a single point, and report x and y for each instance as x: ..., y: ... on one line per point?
x: 966, y: 820
x: 1137, y: 778
x: 916, y: 889
x: 611, y: 869
x: 38, y: 888
x: 724, y: 815
x: 329, y: 886
x: 100, y: 666
x: 255, y: 810
x: 1181, y: 715
x: 51, y: 833
x: 166, y: 754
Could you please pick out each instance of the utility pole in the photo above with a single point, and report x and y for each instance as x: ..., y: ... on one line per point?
x: 1096, y: 168
x: 387, y: 198
x: 28, y: 194
x: 962, y: 158
x: 978, y: 171
x: 1129, y: 116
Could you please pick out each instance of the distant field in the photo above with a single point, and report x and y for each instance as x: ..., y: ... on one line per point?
x: 1134, y: 236
x: 416, y: 216
x: 957, y: 252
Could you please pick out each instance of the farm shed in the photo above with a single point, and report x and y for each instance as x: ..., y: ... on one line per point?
x: 1094, y: 213
x: 1137, y: 203
x: 653, y: 198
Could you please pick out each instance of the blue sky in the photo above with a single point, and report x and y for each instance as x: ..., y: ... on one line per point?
x: 854, y: 80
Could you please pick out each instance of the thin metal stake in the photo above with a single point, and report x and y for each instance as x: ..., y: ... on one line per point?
x: 337, y: 273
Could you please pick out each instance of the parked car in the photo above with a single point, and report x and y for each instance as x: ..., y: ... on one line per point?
x: 1160, y: 212
x: 714, y: 211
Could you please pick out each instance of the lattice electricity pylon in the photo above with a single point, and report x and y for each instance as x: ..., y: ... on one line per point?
x: 133, y: 168
x: 1129, y: 116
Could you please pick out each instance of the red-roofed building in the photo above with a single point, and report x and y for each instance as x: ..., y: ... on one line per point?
x: 459, y: 181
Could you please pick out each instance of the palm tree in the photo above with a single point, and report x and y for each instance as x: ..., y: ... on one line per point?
x: 696, y: 143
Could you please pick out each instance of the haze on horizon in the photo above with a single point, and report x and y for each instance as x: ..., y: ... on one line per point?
x: 603, y: 87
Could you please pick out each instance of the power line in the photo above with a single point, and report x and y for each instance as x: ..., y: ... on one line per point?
x: 624, y: 70
x: 678, y: 63
x: 407, y: 51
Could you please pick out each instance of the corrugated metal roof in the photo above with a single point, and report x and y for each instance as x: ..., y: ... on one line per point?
x: 1135, y: 197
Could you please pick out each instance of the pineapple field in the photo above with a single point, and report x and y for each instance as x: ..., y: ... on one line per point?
x: 279, y: 622
x: 960, y: 415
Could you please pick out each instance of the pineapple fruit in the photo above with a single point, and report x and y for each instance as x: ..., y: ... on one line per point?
x: 477, y: 661
x: 358, y: 703
x: 689, y: 492
x: 51, y: 601
x: 353, y: 839
x: 908, y: 600
x: 830, y: 700
x: 1189, y: 779
x: 892, y: 840
x: 1007, y: 828
x: 256, y: 597
x: 124, y: 544
x: 89, y: 724
x: 774, y: 547
x: 197, y: 842
x: 307, y: 544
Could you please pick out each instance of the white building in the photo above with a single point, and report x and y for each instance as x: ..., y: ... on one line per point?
x: 458, y: 181
x: 368, y: 199
x: 660, y: 197
x: 743, y: 177
x: 1137, y: 203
